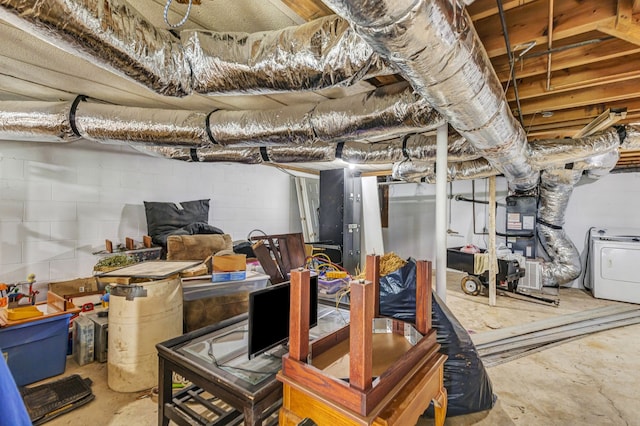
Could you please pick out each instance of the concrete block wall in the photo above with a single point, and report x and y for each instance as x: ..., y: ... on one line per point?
x: 59, y: 202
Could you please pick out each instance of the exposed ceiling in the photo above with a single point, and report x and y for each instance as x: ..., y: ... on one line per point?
x: 573, y: 60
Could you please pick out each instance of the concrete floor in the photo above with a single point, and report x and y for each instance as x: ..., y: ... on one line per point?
x: 589, y: 381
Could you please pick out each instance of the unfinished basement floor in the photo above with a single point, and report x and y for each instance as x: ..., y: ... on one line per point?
x: 592, y: 380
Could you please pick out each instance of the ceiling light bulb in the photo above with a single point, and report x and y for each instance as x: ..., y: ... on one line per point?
x: 547, y: 114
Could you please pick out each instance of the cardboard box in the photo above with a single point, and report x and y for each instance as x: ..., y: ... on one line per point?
x: 62, y: 293
x: 37, y: 349
x: 230, y: 263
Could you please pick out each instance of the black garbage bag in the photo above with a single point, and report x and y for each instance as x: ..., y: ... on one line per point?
x: 469, y: 388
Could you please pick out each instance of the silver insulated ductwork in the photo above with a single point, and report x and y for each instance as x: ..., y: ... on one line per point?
x: 114, y: 36
x: 435, y: 47
x: 388, y: 111
x: 556, y: 187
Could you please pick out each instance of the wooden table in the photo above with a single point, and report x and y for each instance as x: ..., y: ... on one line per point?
x: 393, y: 388
x: 252, y: 400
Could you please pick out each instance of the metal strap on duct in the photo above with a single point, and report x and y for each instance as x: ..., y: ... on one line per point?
x: 114, y: 36
x: 435, y: 47
x: 318, y: 54
x: 556, y: 187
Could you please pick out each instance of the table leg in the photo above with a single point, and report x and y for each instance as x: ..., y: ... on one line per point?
x: 164, y: 391
x: 440, y: 407
x: 251, y: 417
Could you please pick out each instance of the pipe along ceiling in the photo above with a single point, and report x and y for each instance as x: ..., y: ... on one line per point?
x: 432, y: 44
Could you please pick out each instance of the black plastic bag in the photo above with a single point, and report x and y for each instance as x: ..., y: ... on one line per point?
x: 469, y: 388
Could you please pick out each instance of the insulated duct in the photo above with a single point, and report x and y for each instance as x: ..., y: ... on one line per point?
x: 435, y: 47
x: 383, y: 112
x: 36, y: 121
x: 414, y: 146
x: 388, y: 111
x: 547, y: 153
x: 556, y: 187
x: 113, y: 35
x: 416, y: 171
x: 591, y: 153
x: 318, y: 54
x: 632, y: 136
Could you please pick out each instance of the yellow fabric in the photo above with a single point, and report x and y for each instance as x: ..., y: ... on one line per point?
x: 480, y: 263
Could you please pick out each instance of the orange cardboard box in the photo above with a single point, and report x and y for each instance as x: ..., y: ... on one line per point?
x: 230, y: 263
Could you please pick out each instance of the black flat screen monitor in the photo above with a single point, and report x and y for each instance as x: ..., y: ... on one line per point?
x: 269, y: 315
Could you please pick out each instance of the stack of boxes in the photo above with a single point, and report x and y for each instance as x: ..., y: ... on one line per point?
x: 231, y: 267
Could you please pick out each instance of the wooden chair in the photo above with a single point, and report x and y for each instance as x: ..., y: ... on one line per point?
x: 279, y: 254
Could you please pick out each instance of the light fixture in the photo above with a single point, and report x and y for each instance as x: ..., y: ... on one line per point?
x: 547, y: 114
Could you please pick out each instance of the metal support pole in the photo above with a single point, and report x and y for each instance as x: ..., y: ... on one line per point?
x: 441, y: 212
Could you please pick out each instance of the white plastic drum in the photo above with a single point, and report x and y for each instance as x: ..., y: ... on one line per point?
x: 136, y: 326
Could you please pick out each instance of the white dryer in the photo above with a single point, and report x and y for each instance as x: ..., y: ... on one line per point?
x: 615, y: 264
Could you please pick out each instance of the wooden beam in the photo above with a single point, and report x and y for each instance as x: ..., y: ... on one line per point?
x: 588, y: 54
x: 493, y: 261
x: 622, y: 25
x: 636, y: 6
x: 582, y: 97
x: 529, y: 23
x: 481, y: 9
x: 581, y: 115
x: 604, y: 72
x: 308, y: 9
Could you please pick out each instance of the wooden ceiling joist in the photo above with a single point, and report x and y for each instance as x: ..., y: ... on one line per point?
x: 581, y: 97
x: 588, y: 54
x: 529, y: 23
x: 604, y: 72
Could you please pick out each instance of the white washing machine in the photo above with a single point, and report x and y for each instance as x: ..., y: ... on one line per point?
x: 615, y: 264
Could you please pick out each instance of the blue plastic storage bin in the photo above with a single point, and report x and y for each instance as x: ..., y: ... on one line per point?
x: 36, y: 350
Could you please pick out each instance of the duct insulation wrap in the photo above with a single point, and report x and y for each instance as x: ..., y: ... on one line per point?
x: 415, y: 147
x: 599, y: 165
x: 387, y: 111
x: 130, y: 125
x: 632, y: 139
x: 110, y: 34
x: 36, y: 121
x: 315, y: 55
x: 414, y: 171
x: 548, y: 153
x: 556, y: 187
x: 210, y: 154
x: 435, y: 47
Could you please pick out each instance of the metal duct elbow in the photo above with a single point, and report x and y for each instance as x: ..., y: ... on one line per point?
x: 556, y: 187
x: 110, y: 34
x: 599, y: 165
x: 315, y: 55
x: 435, y: 47
x: 36, y: 121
